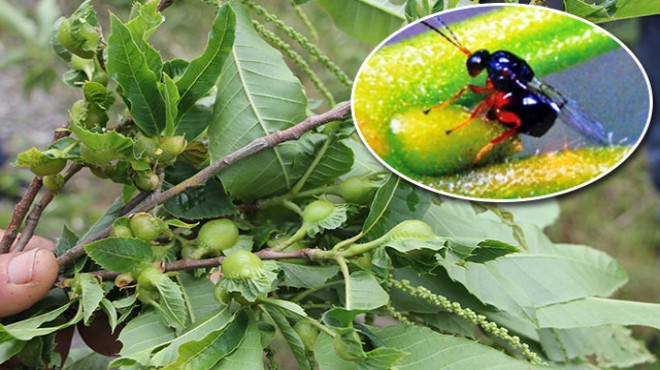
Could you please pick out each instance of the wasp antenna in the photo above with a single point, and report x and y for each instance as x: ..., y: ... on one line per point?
x: 451, y: 38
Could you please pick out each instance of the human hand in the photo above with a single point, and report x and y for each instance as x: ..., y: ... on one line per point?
x: 25, y: 277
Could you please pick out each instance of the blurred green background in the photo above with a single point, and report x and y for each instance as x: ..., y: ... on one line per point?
x: 620, y: 214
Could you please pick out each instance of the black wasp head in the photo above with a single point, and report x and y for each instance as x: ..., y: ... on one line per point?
x: 477, y: 62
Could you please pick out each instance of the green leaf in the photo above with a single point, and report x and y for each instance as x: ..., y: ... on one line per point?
x: 91, y: 295
x: 206, y: 353
x: 364, y: 292
x: 208, y: 201
x: 199, y: 295
x: 85, y: 358
x: 430, y: 350
x: 172, y: 307
x: 558, y: 274
x: 542, y: 213
x: 606, y: 347
x: 257, y: 95
x: 594, y: 311
x: 303, y: 276
x: 194, y: 121
x: 611, y: 10
x: 334, y: 220
x: 9, y: 347
x: 285, y: 308
x: 145, y: 20
x: 203, y: 71
x: 141, y: 336
x: 366, y: 20
x: 30, y: 328
x: 128, y: 66
x: 171, y: 96
x: 329, y: 162
x: 249, y: 355
x: 217, y: 320
x: 489, y: 250
x: 446, y: 322
x: 506, y: 217
x: 119, y: 254
x: 106, y: 219
x: 111, y: 312
x: 175, y: 67
x: 394, y: 202
x: 110, y: 141
x: 384, y: 358
x: 251, y: 288
x: 324, y: 354
x: 407, y: 243
x: 292, y: 339
x: 66, y: 240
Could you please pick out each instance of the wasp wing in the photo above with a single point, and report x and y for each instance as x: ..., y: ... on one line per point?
x: 572, y: 113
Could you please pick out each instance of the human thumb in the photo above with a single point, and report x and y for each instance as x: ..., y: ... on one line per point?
x: 25, y: 277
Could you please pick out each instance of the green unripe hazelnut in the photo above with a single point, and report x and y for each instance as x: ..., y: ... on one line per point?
x: 145, y: 226
x: 146, y: 180
x: 217, y: 235
x: 53, y: 182
x: 146, y: 146
x: 357, y: 190
x: 221, y: 294
x: 317, y: 210
x: 307, y: 333
x: 242, y: 265
x: 171, y: 147
x: 148, y: 280
x: 76, y: 43
x: 413, y: 228
x: 120, y: 231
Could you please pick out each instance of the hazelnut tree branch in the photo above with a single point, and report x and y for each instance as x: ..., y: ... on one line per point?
x: 23, y: 206
x: 190, y: 264
x: 34, y: 216
x: 17, y: 217
x: 201, y: 177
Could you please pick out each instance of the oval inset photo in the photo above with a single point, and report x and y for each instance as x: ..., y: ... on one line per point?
x: 502, y: 102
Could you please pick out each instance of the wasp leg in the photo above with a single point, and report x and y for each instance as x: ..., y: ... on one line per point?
x: 482, y: 108
x: 447, y: 102
x: 508, y: 118
x: 475, y: 89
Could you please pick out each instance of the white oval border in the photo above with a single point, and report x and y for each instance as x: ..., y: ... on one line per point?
x: 517, y: 200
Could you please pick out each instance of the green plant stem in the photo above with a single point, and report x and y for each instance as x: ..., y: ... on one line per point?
x: 358, y: 249
x: 321, y: 327
x: 288, y: 196
x: 200, y: 178
x: 321, y: 153
x: 347, y: 279
x: 344, y: 243
x: 300, y: 234
x: 292, y: 206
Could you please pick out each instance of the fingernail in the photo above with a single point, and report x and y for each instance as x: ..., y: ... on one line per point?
x: 19, y: 269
